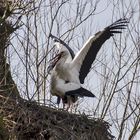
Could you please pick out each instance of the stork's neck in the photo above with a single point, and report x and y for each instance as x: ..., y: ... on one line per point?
x: 61, y: 63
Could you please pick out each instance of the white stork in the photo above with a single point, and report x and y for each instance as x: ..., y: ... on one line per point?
x: 68, y: 71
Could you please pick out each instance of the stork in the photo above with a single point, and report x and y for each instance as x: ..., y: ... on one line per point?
x: 68, y: 71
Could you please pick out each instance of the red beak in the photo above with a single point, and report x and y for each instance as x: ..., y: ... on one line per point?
x: 53, y: 62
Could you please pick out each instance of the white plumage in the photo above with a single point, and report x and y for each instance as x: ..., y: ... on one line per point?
x: 68, y: 71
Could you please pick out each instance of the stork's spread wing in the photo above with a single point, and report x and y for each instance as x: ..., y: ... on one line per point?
x: 85, y: 57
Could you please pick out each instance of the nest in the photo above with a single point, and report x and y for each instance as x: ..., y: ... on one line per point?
x: 27, y: 120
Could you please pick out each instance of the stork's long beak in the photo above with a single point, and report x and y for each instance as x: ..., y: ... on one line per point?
x: 53, y: 62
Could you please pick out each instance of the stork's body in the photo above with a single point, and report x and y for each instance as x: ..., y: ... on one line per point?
x: 64, y: 80
x: 68, y: 71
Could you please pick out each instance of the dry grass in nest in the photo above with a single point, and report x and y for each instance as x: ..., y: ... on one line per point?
x: 27, y: 120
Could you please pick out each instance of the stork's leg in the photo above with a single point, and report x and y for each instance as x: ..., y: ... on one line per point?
x: 68, y: 106
x: 58, y: 100
x: 69, y: 103
x: 64, y: 101
x: 63, y: 106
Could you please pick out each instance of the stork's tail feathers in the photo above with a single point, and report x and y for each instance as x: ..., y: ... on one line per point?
x: 81, y: 92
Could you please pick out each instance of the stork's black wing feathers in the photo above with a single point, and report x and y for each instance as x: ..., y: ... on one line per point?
x: 98, y: 40
x: 81, y: 92
x: 62, y: 42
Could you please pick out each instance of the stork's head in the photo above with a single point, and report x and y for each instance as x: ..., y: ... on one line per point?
x: 61, y: 50
x: 62, y: 55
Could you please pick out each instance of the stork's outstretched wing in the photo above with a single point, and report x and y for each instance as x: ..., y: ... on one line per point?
x: 85, y: 57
